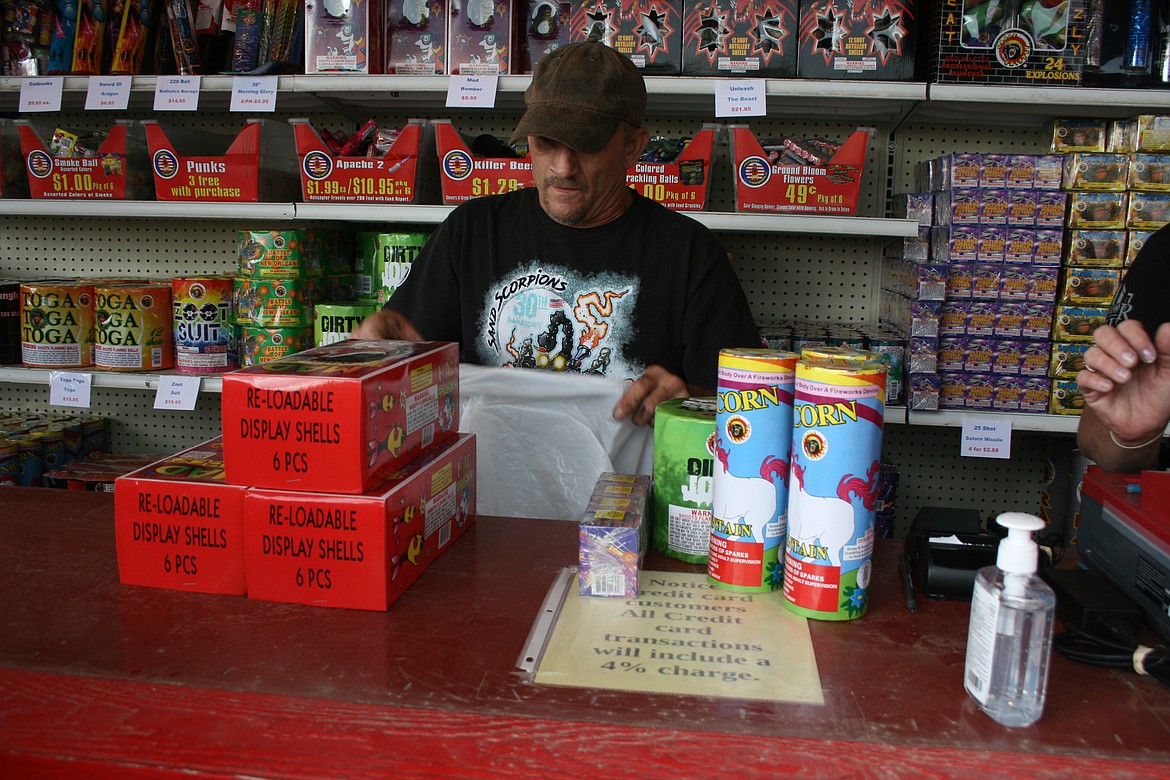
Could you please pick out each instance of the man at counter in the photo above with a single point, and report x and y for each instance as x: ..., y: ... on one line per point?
x: 581, y: 273
x: 1126, y: 379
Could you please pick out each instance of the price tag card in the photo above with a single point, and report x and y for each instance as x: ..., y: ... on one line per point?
x: 41, y: 94
x: 741, y: 97
x: 254, y: 93
x: 472, y: 91
x: 67, y: 388
x: 177, y: 392
x: 986, y: 438
x: 176, y: 93
x: 108, y: 93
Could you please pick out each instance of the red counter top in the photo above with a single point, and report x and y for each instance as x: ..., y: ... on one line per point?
x: 98, y: 679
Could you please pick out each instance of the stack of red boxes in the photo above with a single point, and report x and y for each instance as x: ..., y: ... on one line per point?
x: 339, y: 477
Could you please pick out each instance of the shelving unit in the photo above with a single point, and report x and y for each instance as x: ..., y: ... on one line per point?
x: 793, y: 267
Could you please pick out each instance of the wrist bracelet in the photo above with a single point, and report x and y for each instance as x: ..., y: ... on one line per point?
x: 1141, y: 446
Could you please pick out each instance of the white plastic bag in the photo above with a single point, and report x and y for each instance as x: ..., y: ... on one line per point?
x: 542, y: 439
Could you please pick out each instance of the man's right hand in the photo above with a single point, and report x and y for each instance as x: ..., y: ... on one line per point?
x: 1127, y: 379
x: 386, y: 324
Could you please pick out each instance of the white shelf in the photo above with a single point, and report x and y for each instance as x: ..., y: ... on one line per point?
x: 1014, y: 105
x: 111, y: 379
x: 432, y: 215
x: 1042, y: 423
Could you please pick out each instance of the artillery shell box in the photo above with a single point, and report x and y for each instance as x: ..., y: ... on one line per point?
x: 360, y: 551
x: 731, y: 38
x: 335, y: 418
x: 180, y: 525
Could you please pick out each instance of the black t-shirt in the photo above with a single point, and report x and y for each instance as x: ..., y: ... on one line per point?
x: 1144, y: 293
x: 515, y: 288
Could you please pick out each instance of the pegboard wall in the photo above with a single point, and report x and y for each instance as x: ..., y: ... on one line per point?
x: 790, y: 276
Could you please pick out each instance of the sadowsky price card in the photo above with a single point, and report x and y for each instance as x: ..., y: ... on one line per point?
x: 683, y: 636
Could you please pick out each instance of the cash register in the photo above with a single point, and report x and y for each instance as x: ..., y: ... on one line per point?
x: 1124, y: 535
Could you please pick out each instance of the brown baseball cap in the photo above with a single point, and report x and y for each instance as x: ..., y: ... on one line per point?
x: 580, y: 94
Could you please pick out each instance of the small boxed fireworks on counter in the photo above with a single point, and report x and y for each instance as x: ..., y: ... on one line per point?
x: 98, y: 166
x: 797, y: 175
x: 179, y: 524
x: 729, y: 38
x: 479, y: 37
x: 1039, y: 43
x: 374, y: 165
x: 336, y: 418
x: 258, y: 165
x: 1147, y: 210
x: 416, y: 37
x: 360, y: 551
x: 649, y: 32
x: 1096, y: 171
x: 865, y: 40
x: 342, y: 37
x: 613, y: 532
x: 1081, y: 135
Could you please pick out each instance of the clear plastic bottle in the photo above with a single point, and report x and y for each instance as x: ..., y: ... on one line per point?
x: 1009, y: 641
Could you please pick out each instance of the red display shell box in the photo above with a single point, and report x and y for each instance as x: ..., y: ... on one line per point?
x: 761, y: 186
x: 360, y: 551
x: 179, y: 524
x: 335, y: 418
x: 117, y: 172
x: 258, y: 165
x: 330, y: 178
x: 682, y: 184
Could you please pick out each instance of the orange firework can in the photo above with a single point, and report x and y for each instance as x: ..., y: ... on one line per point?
x: 134, y: 331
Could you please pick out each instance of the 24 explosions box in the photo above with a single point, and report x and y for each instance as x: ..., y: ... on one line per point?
x: 329, y: 177
x: 257, y: 166
x: 1033, y: 42
x: 814, y: 186
x: 363, y: 551
x: 336, y: 418
x: 180, y: 525
x: 116, y: 172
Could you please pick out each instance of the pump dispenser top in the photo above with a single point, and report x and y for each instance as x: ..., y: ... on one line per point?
x: 1018, y: 553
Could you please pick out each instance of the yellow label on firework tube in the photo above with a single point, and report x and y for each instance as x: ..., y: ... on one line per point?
x: 134, y: 330
x: 56, y: 325
x: 753, y: 436
x: 838, y: 417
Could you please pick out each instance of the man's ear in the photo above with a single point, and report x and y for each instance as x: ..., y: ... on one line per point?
x: 636, y: 144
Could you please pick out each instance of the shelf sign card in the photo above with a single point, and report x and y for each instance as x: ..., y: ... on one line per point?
x: 177, y: 392
x: 472, y: 91
x: 41, y: 94
x: 254, y: 93
x: 741, y: 97
x: 108, y: 93
x: 683, y: 636
x: 68, y: 388
x: 986, y: 438
x: 176, y: 93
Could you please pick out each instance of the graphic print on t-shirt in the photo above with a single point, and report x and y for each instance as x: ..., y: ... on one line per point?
x: 554, y: 319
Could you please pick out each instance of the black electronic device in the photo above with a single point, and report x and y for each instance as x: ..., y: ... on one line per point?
x: 946, y: 547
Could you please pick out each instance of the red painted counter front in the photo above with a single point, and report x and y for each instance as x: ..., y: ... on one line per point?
x: 103, y: 680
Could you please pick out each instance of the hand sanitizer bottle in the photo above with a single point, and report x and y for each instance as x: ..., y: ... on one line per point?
x: 1009, y: 641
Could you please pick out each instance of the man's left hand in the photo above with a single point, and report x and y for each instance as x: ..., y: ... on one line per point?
x: 646, y: 392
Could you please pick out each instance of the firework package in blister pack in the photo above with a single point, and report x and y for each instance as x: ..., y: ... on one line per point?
x: 547, y: 26
x: 1034, y: 42
x: 649, y: 32
x: 857, y: 40
x: 479, y: 37
x: 740, y: 38
x: 416, y: 37
x: 343, y: 36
